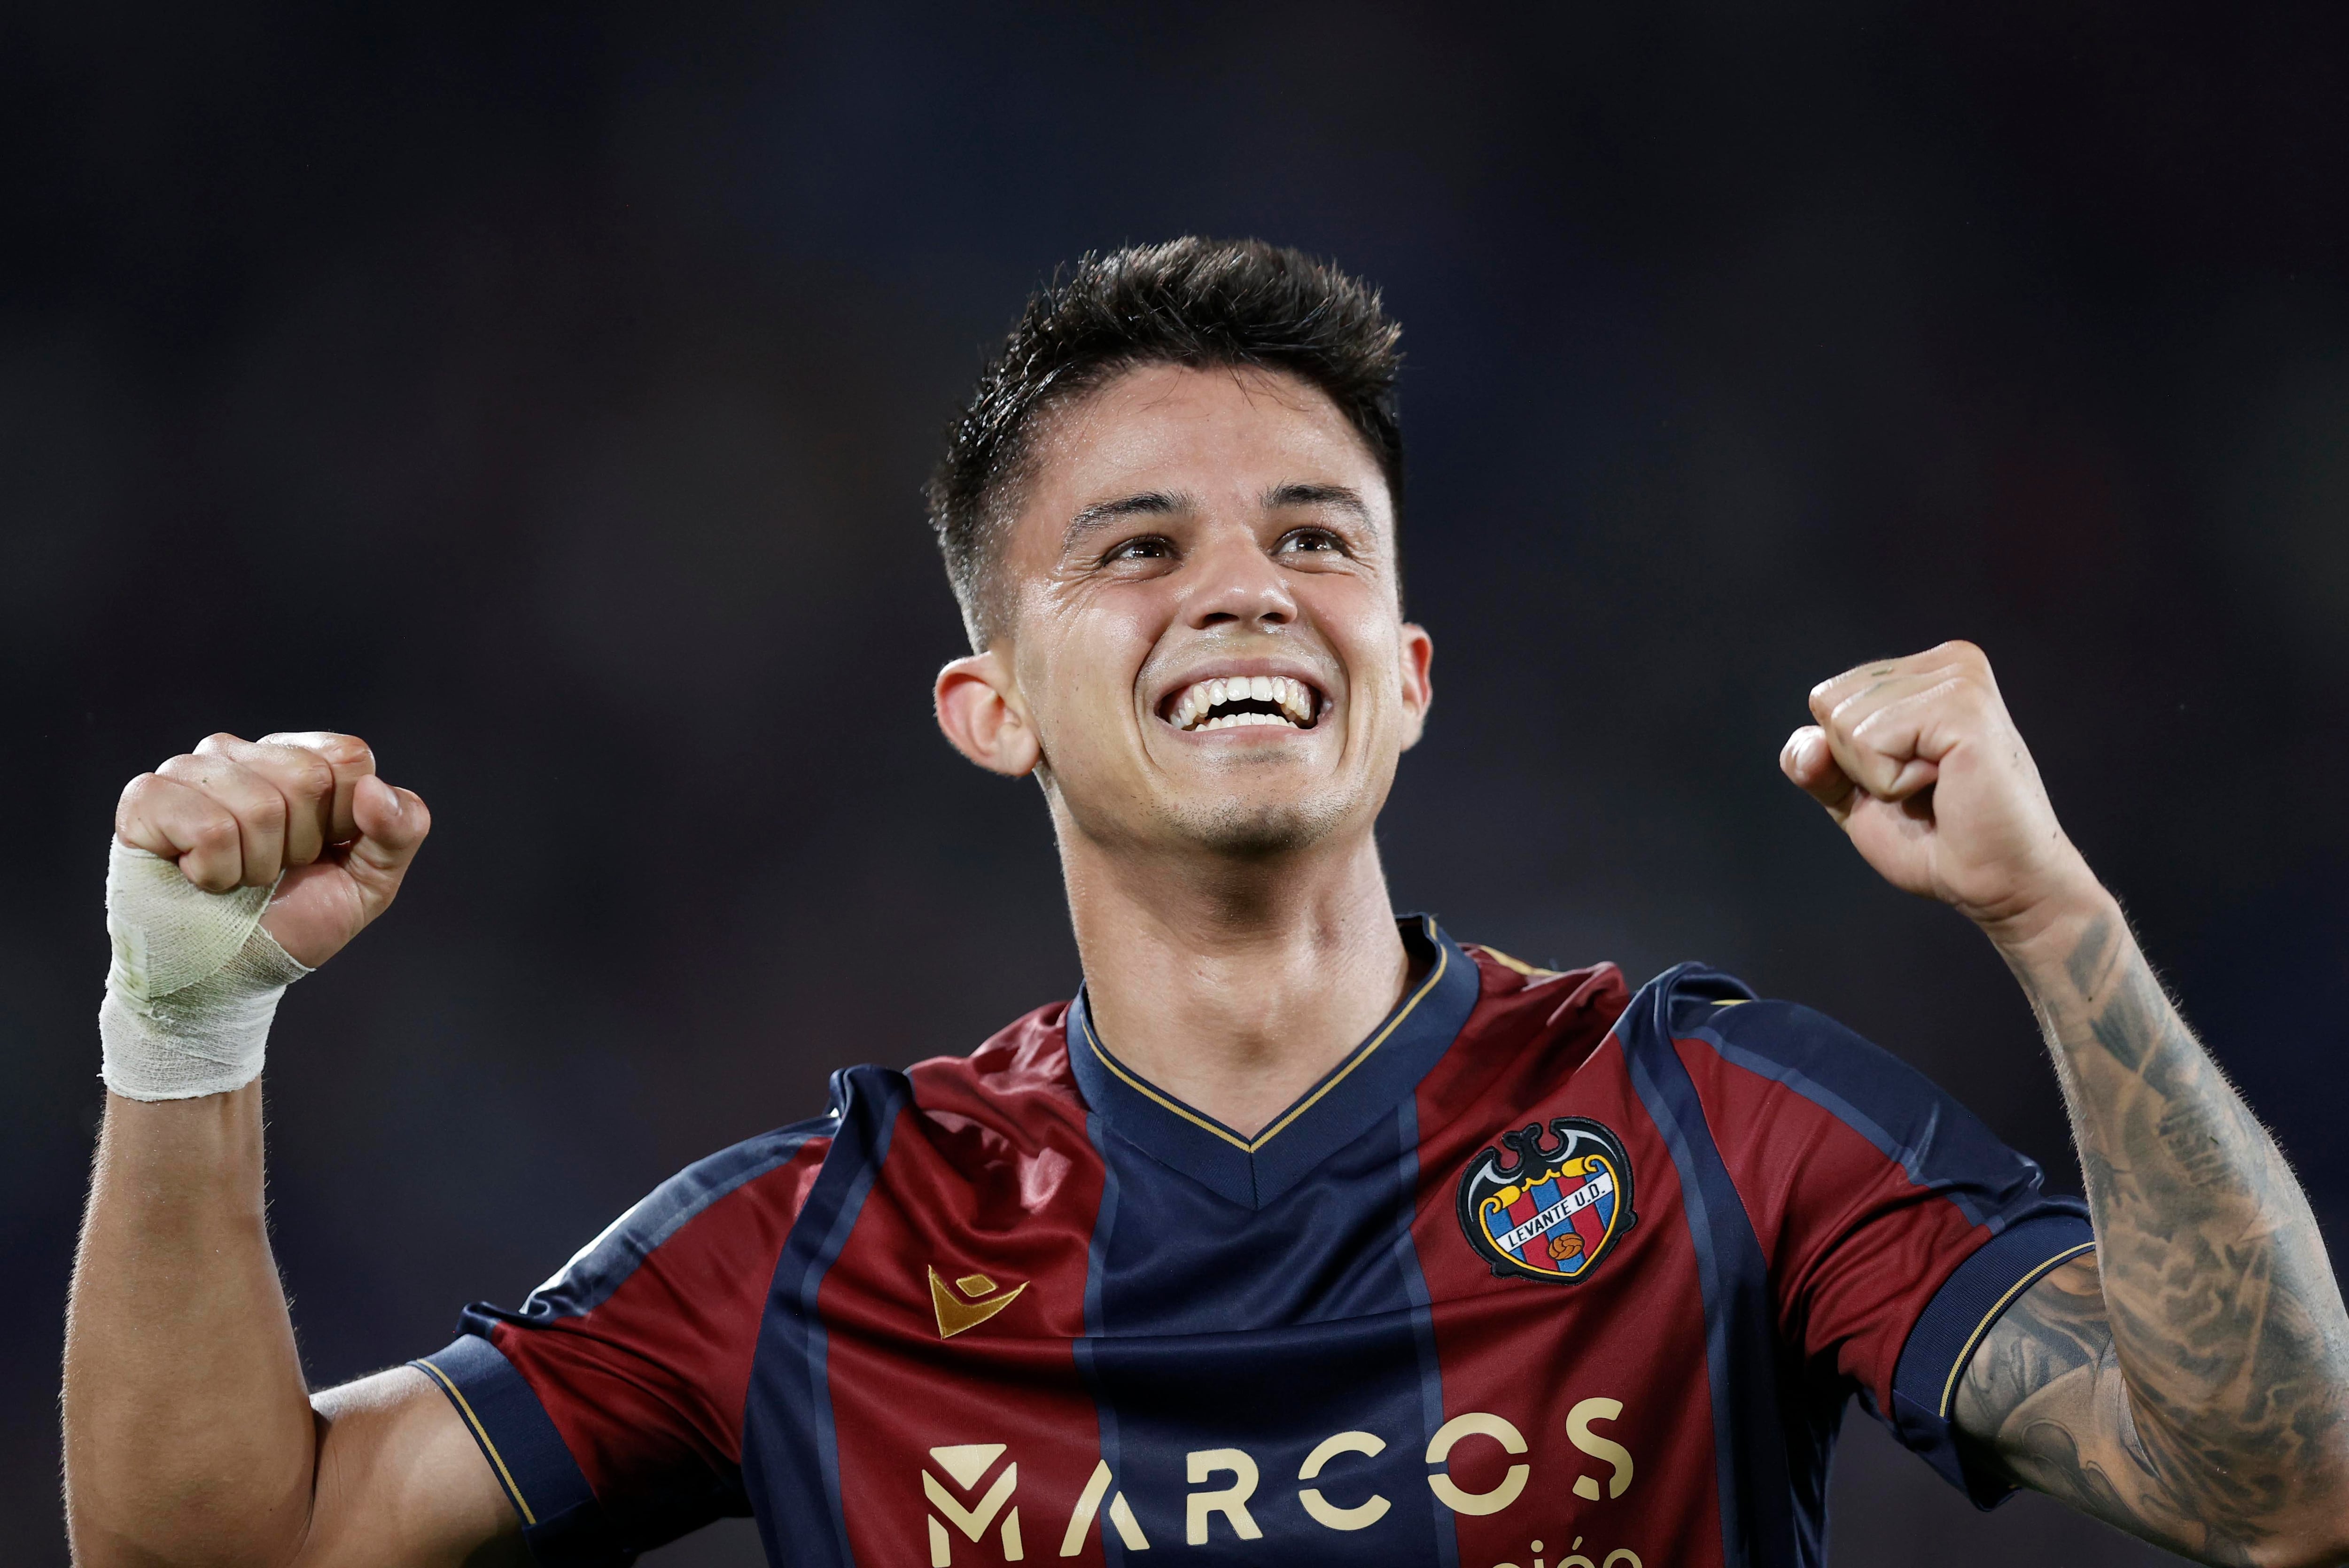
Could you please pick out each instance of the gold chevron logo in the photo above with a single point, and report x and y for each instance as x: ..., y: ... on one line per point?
x: 957, y: 1314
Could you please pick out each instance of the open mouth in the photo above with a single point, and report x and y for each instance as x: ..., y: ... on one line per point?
x: 1238, y: 700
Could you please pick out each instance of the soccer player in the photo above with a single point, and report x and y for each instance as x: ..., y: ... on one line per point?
x: 1304, y: 1232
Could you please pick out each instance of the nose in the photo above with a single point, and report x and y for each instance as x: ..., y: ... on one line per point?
x: 1233, y: 581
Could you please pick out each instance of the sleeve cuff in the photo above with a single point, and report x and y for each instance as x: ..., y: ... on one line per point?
x: 1953, y: 1323
x: 562, y: 1524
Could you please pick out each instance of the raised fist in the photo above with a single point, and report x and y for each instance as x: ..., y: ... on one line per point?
x: 1917, y: 760
x: 238, y: 813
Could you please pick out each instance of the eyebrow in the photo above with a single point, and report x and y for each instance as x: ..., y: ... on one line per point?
x: 1339, y: 496
x: 1102, y: 513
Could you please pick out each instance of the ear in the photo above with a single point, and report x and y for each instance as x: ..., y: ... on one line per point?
x: 982, y: 717
x: 1418, y: 692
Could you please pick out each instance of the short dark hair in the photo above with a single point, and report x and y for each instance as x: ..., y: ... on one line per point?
x: 1241, y: 303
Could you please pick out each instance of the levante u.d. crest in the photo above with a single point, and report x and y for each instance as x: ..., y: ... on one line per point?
x: 1548, y: 1203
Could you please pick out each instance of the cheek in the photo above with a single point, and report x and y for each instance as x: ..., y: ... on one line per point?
x: 1369, y: 644
x: 1082, y: 672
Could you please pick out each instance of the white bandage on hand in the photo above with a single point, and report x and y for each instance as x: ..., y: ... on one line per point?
x: 193, y: 985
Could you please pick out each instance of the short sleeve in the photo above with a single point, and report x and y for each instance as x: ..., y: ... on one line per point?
x: 610, y: 1405
x: 1896, y: 1226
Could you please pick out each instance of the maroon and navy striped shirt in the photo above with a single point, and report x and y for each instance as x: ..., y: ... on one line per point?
x: 1542, y: 1271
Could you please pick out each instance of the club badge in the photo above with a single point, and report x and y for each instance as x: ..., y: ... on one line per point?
x: 1548, y: 1206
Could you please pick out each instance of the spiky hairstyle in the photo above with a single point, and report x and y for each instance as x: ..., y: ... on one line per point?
x: 1240, y: 304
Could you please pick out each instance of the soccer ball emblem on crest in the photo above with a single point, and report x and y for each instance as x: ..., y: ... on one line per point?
x: 1549, y: 1207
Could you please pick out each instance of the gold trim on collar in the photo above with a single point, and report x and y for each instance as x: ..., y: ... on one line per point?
x: 1250, y: 1145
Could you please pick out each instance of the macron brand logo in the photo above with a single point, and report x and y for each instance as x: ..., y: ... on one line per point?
x: 974, y: 1305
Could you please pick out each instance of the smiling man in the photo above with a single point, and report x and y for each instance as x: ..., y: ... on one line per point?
x: 1304, y: 1232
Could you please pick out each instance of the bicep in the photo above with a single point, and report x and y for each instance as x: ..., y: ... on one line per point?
x: 402, y: 1484
x: 2043, y: 1402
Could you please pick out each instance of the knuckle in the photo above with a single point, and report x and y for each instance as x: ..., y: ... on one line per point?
x: 217, y: 832
x: 312, y: 776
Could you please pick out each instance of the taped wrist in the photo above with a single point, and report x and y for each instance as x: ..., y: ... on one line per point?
x: 193, y: 984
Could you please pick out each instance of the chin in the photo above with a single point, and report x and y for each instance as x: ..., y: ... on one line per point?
x: 1259, y: 830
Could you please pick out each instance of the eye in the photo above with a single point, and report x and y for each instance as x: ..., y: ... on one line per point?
x: 1148, y: 547
x: 1311, y: 540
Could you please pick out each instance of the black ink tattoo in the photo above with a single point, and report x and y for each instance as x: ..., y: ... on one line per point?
x: 2189, y: 1383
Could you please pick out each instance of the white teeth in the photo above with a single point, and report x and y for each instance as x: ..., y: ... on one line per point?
x: 1198, y: 701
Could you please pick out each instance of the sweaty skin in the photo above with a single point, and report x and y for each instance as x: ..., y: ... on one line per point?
x: 2189, y: 1381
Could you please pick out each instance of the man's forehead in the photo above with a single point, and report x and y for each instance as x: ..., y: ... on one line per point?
x: 1171, y: 433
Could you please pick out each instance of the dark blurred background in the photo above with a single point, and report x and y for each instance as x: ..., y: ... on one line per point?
x: 544, y: 395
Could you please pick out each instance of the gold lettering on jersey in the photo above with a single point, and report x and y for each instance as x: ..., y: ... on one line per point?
x: 1621, y: 1557
x: 1579, y: 1433
x: 1102, y: 1504
x: 1475, y: 1423
x: 1231, y: 1502
x: 1088, y: 1501
x: 967, y: 1464
x: 1323, y: 1511
x: 956, y: 1314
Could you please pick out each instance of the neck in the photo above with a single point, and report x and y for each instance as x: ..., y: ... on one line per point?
x: 1234, y: 986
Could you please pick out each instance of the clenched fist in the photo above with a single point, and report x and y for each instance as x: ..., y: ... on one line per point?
x: 237, y: 814
x: 1917, y: 760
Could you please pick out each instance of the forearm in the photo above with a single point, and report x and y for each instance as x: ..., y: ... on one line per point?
x: 189, y: 1434
x: 2226, y: 1321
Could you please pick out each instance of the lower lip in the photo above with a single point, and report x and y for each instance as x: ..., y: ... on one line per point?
x: 1267, y: 731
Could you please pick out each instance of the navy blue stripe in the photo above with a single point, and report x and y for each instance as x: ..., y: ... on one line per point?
x: 1096, y: 1256
x: 1354, y: 1096
x: 1423, y: 1316
x: 1952, y: 1328
x: 1758, y: 1529
x: 1288, y: 1322
x: 604, y: 1265
x: 563, y: 1524
x: 789, y: 1442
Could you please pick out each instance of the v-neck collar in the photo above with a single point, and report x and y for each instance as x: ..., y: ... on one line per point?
x: 1367, y: 1085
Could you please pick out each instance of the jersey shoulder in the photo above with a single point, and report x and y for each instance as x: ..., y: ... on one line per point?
x: 1781, y: 1081
x: 1023, y: 1071
x: 1520, y: 1002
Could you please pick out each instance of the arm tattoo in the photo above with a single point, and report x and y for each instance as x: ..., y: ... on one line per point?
x: 2190, y: 1382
